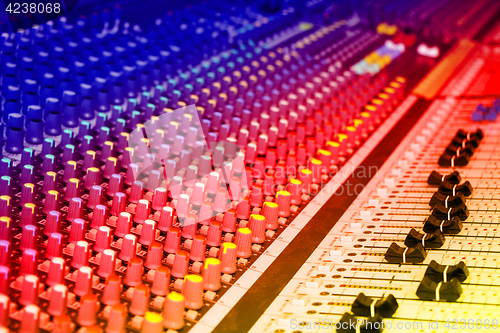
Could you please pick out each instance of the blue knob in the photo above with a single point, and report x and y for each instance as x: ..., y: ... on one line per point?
x: 70, y: 116
x: 87, y: 102
x: 53, y: 123
x: 15, y: 120
x: 48, y: 146
x: 34, y: 112
x: 34, y: 131
x: 15, y: 140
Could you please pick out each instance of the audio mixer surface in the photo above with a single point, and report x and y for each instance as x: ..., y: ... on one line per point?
x: 278, y: 166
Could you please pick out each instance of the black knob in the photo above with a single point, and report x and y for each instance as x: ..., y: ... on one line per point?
x: 437, y: 272
x: 429, y: 290
x: 348, y: 324
x: 448, y: 188
x: 435, y: 178
x: 369, y: 307
x: 447, y: 200
x: 443, y: 213
x: 452, y: 160
x: 432, y: 240
x: 405, y: 255
x: 447, y: 227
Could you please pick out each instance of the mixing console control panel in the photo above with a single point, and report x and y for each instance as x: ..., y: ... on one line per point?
x: 269, y: 166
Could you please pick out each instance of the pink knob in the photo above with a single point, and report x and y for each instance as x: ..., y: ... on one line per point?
x: 135, y: 270
x: 75, y: 209
x: 123, y: 224
x: 229, y: 221
x: 136, y: 191
x: 5, y: 253
x: 154, y: 255
x: 115, y: 182
x: 119, y: 203
x: 161, y: 281
x: 58, y: 300
x: 52, y: 223
x: 29, y: 290
x: 211, y: 274
x: 117, y: 318
x: 77, y: 232
x: 96, y: 194
x: 51, y: 201
x: 29, y: 262
x: 166, y: 218
x: 142, y: 211
x: 243, y: 241
x: 93, y: 177
x: 214, y: 234
x: 189, y: 226
x: 62, y: 324
x: 83, y: 284
x: 270, y: 212
x: 107, y: 263
x: 140, y: 300
x: 30, y: 319
x: 81, y: 254
x: 103, y: 239
x: 243, y: 210
x: 182, y: 207
x: 192, y: 290
x: 181, y: 263
x: 283, y: 200
x: 257, y: 224
x: 148, y: 233
x: 4, y: 311
x: 173, y: 311
x: 4, y: 280
x: 112, y: 290
x: 227, y: 258
x: 57, y: 271
x: 54, y: 246
x: 87, y: 311
x: 28, y: 237
x: 198, y: 194
x: 221, y: 201
x: 198, y: 248
x: 28, y: 215
x: 99, y: 216
x: 173, y: 240
x: 129, y: 247
x: 159, y: 198
x: 295, y: 190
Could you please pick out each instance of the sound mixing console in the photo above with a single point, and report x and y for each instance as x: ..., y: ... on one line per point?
x: 267, y: 166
